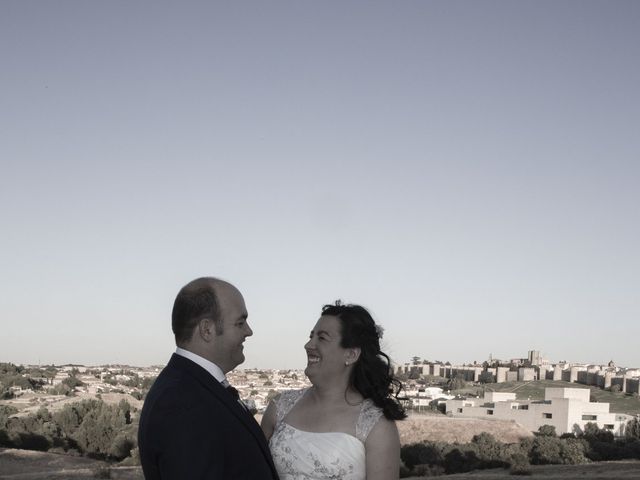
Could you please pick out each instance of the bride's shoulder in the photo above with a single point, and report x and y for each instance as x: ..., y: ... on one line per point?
x: 370, y: 413
x: 286, y: 400
x: 290, y: 395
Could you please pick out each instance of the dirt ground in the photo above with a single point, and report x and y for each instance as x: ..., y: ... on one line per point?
x: 438, y: 427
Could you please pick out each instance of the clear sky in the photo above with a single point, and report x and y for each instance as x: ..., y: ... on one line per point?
x: 469, y: 171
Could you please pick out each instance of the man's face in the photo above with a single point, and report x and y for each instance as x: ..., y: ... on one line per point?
x: 227, y: 349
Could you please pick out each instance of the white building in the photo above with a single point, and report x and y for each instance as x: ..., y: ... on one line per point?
x: 567, y: 409
x: 423, y: 396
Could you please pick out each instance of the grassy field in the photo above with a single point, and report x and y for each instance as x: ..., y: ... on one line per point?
x: 624, y: 469
x: 619, y: 402
x: 27, y: 465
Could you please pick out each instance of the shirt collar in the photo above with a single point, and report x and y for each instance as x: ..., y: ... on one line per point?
x: 212, y: 368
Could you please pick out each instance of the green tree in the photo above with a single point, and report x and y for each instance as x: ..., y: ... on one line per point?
x: 73, y: 382
x: 486, y: 377
x: 593, y: 432
x: 547, y: 431
x: 573, y: 451
x: 457, y: 382
x: 631, y: 429
x: 62, y: 389
x: 546, y: 450
x: 5, y: 412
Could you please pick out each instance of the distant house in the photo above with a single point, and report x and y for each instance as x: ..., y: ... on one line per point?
x: 567, y: 409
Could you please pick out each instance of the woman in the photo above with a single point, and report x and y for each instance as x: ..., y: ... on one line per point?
x: 343, y: 426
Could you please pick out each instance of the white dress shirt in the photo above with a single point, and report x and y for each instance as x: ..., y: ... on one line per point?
x: 212, y: 368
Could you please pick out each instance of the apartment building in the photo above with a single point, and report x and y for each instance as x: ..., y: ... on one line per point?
x: 567, y: 409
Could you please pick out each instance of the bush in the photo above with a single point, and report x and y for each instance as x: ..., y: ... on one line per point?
x: 459, y: 461
x: 5, y: 412
x: 546, y: 450
x: 421, y: 454
x: 72, y: 382
x: 62, y: 389
x: 492, y: 453
x: 593, y: 432
x: 547, y: 431
x: 573, y: 451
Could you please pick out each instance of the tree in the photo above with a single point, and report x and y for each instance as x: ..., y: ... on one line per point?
x: 486, y: 377
x: 72, y: 382
x: 5, y: 412
x: 547, y: 431
x: 546, y: 450
x: 62, y: 389
x: 632, y: 429
x: 457, y: 382
x: 593, y: 432
x: 490, y: 450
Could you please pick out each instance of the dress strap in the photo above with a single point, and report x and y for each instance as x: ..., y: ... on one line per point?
x: 285, y: 402
x: 369, y: 416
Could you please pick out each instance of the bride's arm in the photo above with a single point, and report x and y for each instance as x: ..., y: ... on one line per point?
x: 269, y: 420
x: 383, y: 451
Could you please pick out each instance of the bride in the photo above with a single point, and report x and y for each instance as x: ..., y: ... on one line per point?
x: 343, y: 426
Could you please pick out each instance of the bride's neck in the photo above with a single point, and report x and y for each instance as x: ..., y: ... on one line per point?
x: 340, y: 394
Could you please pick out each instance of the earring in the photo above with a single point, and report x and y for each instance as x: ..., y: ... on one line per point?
x: 346, y: 364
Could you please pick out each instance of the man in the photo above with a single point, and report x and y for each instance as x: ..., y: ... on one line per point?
x: 192, y: 426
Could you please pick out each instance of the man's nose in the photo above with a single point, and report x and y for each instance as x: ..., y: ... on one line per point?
x: 248, y: 332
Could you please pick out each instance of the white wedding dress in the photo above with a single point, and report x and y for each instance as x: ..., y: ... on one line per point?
x: 300, y: 455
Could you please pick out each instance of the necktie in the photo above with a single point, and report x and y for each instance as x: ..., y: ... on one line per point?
x: 233, y: 392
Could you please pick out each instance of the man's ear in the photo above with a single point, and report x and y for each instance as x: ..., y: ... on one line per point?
x: 206, y: 329
x: 352, y: 355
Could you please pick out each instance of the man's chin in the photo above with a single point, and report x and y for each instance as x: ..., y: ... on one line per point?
x: 240, y: 358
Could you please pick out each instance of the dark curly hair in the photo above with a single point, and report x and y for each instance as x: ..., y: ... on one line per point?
x: 372, y: 375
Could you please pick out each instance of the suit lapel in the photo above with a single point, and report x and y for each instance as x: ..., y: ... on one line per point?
x: 213, y: 386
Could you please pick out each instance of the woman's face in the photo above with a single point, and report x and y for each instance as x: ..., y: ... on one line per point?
x: 325, y: 356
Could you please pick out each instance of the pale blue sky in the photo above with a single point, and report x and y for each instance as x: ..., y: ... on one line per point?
x: 469, y: 171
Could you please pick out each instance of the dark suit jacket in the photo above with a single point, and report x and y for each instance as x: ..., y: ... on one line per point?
x: 192, y: 428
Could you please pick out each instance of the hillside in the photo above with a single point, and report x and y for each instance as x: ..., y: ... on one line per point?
x: 437, y: 427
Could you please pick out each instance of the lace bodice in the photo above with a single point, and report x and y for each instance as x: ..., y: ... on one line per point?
x: 301, y: 455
